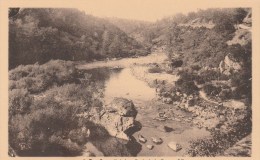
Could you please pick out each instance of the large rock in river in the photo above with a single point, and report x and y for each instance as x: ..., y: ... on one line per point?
x: 123, y: 107
x: 119, y: 118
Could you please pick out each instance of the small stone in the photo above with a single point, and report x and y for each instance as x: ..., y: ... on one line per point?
x: 194, y: 115
x: 141, y: 139
x: 177, y: 119
x: 174, y: 146
x: 161, y: 114
x: 157, y: 140
x: 149, y: 146
x: 165, y: 128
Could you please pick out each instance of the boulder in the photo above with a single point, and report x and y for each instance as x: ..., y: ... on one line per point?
x: 227, y: 66
x: 121, y: 122
x: 123, y: 107
x: 174, y: 146
x: 234, y: 104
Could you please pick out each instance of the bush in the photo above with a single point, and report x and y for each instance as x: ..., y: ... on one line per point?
x: 211, y: 90
x: 46, y: 123
x: 186, y: 82
x: 243, y: 85
x: 155, y: 70
x: 37, y: 78
x: 19, y: 101
x: 42, y: 129
x: 209, y: 75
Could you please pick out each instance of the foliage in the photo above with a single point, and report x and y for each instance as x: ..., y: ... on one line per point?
x: 39, y: 35
x: 43, y: 119
x: 211, y: 90
x: 155, y: 70
x: 43, y: 129
x: 36, y: 78
x: 186, y: 83
x: 243, y: 85
x: 19, y: 101
x: 209, y: 75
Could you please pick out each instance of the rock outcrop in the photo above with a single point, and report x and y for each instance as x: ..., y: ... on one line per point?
x: 227, y: 66
x: 174, y: 146
x: 119, y: 118
x: 242, y: 148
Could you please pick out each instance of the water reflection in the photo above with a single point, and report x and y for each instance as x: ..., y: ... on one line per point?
x: 122, y: 83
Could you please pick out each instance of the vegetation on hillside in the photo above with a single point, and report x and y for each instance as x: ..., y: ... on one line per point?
x: 46, y: 96
x: 199, y: 40
x: 39, y: 35
x: 44, y: 103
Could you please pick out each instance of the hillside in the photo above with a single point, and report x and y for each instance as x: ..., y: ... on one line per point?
x: 193, y: 93
x: 198, y: 36
x: 133, y: 28
x: 38, y: 35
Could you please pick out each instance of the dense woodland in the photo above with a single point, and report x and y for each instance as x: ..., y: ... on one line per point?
x: 46, y: 89
x: 39, y: 35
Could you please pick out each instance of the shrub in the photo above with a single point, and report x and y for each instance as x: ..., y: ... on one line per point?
x: 243, y: 85
x: 19, y: 101
x: 155, y: 70
x: 209, y: 75
x: 186, y: 82
x: 211, y: 90
x: 37, y: 78
x: 46, y: 123
x: 43, y: 128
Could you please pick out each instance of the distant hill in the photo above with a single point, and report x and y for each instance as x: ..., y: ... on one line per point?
x: 38, y: 35
x: 133, y: 28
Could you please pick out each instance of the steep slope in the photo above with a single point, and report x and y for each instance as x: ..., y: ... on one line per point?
x: 38, y: 35
x: 133, y: 28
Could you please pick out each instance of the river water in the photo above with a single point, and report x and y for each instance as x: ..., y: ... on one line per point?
x: 125, y: 85
x: 120, y: 82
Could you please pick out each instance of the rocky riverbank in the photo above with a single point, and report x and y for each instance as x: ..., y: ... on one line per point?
x: 224, y: 119
x: 153, y: 79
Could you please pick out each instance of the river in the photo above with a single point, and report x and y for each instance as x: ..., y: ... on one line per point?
x: 120, y: 82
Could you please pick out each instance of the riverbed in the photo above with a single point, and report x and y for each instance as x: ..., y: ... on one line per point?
x: 121, y: 82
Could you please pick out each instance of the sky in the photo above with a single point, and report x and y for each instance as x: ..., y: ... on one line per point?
x: 148, y: 10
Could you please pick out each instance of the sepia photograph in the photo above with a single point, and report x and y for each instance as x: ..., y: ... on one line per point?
x: 146, y: 81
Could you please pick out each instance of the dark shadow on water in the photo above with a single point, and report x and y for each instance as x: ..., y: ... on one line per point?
x: 112, y: 146
x: 103, y: 74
